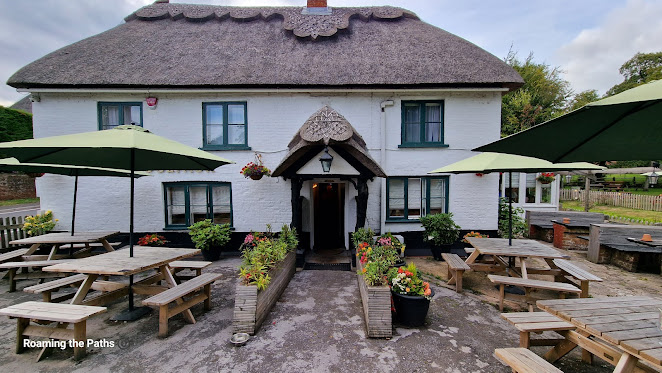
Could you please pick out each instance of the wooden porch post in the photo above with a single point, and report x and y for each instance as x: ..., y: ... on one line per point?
x: 297, y: 210
x: 361, y: 202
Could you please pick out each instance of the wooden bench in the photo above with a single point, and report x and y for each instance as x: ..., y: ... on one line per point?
x: 456, y: 267
x: 13, y: 267
x: 582, y: 275
x: 181, y: 265
x: 47, y: 288
x: 177, y: 294
x: 523, y: 360
x: 12, y: 255
x: 536, y: 322
x: 52, y: 312
x: 529, y: 284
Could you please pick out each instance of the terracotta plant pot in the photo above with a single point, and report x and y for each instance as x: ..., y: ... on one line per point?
x: 647, y: 237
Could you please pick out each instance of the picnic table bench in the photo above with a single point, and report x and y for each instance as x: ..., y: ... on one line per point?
x: 177, y: 294
x: 455, y: 269
x: 36, y: 265
x: 522, y: 360
x: 194, y: 265
x: 529, y: 284
x: 64, y: 314
x: 583, y: 276
x: 536, y: 322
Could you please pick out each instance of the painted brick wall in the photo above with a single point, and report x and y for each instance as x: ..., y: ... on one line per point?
x: 471, y: 119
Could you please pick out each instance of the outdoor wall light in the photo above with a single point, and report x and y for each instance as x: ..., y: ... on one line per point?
x: 652, y: 178
x: 326, y: 160
x: 568, y: 178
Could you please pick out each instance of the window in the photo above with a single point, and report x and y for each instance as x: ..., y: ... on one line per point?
x: 188, y: 203
x: 224, y: 125
x: 527, y: 189
x: 113, y: 114
x: 409, y: 198
x: 512, y: 189
x: 422, y: 124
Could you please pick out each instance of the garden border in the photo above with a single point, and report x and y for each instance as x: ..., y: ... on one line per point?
x: 376, y: 302
x: 252, y: 307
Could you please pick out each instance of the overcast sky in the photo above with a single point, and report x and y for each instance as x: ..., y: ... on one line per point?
x: 588, y: 39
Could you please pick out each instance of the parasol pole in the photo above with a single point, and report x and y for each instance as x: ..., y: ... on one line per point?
x: 133, y: 166
x: 510, y: 209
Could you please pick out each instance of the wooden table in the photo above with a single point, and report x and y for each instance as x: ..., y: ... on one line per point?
x: 623, y: 331
x: 118, y: 263
x: 498, y: 249
x: 64, y: 238
x: 653, y: 243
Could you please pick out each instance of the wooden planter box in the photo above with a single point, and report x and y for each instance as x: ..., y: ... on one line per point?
x: 252, y: 307
x: 376, y: 307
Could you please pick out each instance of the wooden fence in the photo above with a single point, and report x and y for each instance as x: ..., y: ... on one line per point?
x: 619, y: 199
x: 10, y: 229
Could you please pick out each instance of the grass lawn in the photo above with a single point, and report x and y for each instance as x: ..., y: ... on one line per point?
x: 19, y: 201
x: 652, y: 216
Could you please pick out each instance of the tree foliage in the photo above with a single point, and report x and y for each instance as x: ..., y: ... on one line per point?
x: 14, y: 125
x: 640, y: 69
x: 581, y: 99
x: 542, y: 97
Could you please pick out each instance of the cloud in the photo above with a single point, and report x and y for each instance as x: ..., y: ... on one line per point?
x: 592, y: 59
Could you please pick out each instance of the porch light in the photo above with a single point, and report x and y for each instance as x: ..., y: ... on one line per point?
x: 326, y: 160
x: 652, y: 178
x: 568, y: 178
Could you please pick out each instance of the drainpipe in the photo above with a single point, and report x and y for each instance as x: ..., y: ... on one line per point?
x: 382, y: 160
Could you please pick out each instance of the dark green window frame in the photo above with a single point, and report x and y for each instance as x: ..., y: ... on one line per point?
x: 187, y: 201
x: 225, y: 145
x: 405, y: 179
x: 121, y: 106
x: 422, y: 143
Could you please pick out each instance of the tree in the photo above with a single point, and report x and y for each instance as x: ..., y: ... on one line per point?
x: 582, y: 98
x: 640, y: 69
x: 542, y: 97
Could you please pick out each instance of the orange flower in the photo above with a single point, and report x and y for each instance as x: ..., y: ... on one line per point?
x: 364, y: 270
x: 427, y: 292
x: 407, y: 290
x: 400, y: 270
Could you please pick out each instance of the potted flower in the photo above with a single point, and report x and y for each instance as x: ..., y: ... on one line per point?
x: 472, y: 234
x: 255, y: 170
x: 411, y: 295
x: 210, y: 238
x: 152, y: 240
x: 546, y: 177
x: 441, y: 231
x: 391, y: 242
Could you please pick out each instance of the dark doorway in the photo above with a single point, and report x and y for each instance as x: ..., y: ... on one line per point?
x: 329, y: 218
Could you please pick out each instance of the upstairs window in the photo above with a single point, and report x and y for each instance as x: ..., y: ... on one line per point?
x: 422, y: 124
x: 225, y: 125
x: 113, y: 114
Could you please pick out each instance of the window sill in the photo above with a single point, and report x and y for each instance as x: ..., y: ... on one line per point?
x: 224, y: 147
x: 403, y: 221
x: 424, y: 145
x: 185, y: 229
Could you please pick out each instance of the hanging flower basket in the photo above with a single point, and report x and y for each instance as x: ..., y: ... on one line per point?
x: 255, y: 170
x: 546, y: 177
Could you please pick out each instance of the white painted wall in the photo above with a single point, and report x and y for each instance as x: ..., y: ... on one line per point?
x: 471, y: 119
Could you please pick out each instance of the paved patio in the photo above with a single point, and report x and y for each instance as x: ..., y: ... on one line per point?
x: 316, y: 326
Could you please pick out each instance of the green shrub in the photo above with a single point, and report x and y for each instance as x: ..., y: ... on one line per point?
x: 14, y: 125
x: 519, y: 225
x: 206, y: 234
x: 440, y: 229
x: 260, y: 252
x: 363, y: 235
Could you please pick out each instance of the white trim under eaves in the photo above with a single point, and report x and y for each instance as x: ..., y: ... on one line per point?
x: 257, y: 90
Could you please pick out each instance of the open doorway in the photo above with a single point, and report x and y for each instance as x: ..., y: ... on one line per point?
x: 329, y: 216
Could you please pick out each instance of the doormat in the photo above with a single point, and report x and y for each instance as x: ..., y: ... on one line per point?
x: 327, y: 266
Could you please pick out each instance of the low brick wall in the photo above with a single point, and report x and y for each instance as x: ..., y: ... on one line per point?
x: 15, y: 186
x: 252, y: 307
x: 567, y: 237
x: 376, y: 302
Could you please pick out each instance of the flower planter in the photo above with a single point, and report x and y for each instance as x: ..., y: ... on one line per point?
x: 411, y: 310
x: 256, y: 177
x: 252, y: 307
x: 212, y: 254
x: 376, y: 307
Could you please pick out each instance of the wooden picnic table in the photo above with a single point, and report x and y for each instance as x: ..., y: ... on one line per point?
x: 118, y: 263
x: 64, y: 238
x: 498, y: 249
x: 623, y: 331
x: 653, y: 243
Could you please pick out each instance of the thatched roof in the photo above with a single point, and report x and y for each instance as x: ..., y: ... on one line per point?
x: 328, y: 127
x: 24, y: 104
x: 199, y: 46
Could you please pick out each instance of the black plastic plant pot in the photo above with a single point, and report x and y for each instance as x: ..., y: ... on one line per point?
x: 212, y: 254
x: 411, y: 310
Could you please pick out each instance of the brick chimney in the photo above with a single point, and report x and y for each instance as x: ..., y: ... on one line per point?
x: 316, y: 4
x: 317, y: 7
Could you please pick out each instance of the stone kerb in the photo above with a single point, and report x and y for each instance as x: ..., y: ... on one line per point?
x: 376, y: 302
x: 252, y: 307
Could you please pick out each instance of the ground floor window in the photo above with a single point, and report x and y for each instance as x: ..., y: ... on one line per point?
x: 189, y: 202
x: 532, y: 190
x: 409, y: 198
